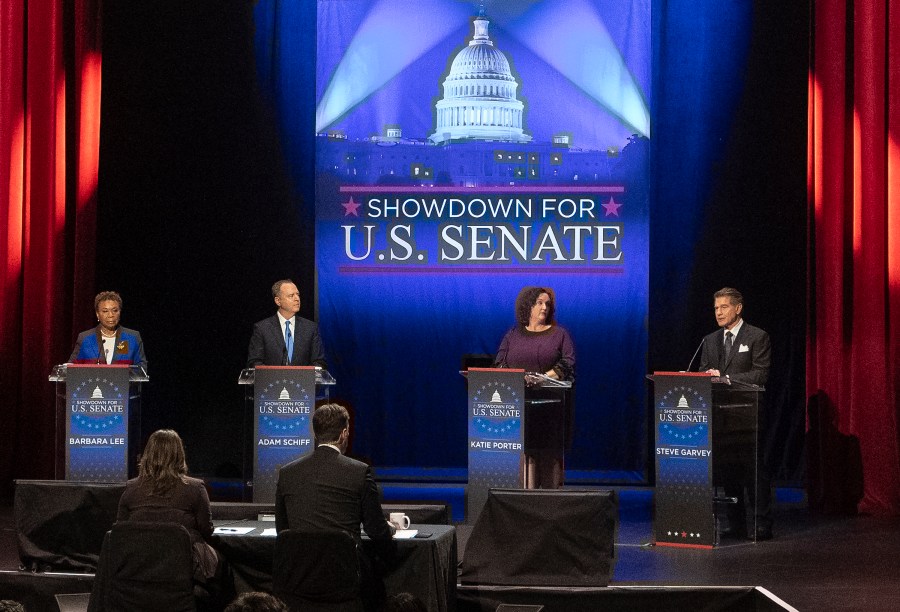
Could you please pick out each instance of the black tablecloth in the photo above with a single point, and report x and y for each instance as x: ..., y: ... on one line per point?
x: 60, y: 525
x: 425, y: 567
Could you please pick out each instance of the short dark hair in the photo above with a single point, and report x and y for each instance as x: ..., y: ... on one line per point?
x: 276, y: 288
x: 329, y: 420
x: 404, y: 602
x: 733, y: 295
x: 528, y: 298
x: 256, y: 602
x: 106, y: 296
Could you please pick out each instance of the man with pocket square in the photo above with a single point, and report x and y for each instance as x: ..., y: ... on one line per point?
x: 742, y: 353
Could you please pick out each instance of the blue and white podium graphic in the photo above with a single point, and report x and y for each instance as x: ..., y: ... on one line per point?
x: 96, y: 439
x: 284, y: 400
x: 684, y: 485
x: 496, y: 434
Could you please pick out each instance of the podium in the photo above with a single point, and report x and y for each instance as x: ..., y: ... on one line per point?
x: 706, y: 431
x: 504, y: 418
x: 279, y: 402
x: 98, y: 420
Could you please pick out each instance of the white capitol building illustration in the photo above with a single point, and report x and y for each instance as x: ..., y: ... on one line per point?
x: 480, y: 95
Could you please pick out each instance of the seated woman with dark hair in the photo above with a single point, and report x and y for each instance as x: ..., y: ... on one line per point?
x: 164, y: 493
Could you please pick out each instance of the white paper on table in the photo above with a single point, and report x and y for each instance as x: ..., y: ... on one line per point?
x: 233, y: 530
x: 405, y: 534
x: 270, y: 532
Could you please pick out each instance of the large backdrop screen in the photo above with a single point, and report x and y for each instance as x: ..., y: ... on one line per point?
x: 463, y: 151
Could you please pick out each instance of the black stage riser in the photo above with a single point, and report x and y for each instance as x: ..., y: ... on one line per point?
x: 37, y: 592
x: 618, y: 599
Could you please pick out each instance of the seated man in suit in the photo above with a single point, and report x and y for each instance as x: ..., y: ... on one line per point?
x: 286, y: 338
x: 742, y: 353
x: 327, y: 491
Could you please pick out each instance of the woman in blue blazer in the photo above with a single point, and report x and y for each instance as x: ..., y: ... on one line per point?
x: 108, y: 342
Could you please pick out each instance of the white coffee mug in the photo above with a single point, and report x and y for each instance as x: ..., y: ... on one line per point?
x: 400, y: 520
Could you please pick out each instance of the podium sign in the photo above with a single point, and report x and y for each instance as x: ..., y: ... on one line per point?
x: 96, y: 439
x: 284, y: 398
x: 496, y: 434
x: 684, y: 485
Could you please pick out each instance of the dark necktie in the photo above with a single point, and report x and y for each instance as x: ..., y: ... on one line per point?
x: 289, y: 340
x: 729, y: 343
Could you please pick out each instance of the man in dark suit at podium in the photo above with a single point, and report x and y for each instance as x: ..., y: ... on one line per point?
x: 742, y: 353
x: 327, y: 491
x: 286, y: 338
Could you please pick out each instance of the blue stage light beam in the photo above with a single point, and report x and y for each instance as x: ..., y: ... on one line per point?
x: 388, y: 41
x: 577, y: 44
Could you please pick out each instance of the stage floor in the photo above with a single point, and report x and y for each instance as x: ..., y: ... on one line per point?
x: 813, y: 563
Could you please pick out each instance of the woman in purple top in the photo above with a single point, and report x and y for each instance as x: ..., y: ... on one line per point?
x: 538, y: 345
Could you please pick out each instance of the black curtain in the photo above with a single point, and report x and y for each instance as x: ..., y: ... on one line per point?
x: 197, y: 217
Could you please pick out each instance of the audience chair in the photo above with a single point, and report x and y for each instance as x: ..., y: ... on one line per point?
x: 144, y: 566
x: 317, y: 571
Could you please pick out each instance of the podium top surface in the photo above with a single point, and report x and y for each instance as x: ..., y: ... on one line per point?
x: 536, y: 379
x: 136, y: 373
x: 718, y: 382
x: 323, y: 376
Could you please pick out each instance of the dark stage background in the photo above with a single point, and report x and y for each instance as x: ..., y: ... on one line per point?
x: 197, y: 215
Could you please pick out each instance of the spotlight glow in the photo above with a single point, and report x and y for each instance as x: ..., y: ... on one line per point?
x: 384, y: 45
x: 578, y: 45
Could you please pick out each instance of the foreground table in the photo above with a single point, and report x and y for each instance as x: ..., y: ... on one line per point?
x: 425, y: 567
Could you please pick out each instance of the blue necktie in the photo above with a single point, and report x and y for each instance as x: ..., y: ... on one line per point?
x: 289, y: 340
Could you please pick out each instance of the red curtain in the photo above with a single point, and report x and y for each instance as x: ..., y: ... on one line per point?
x: 854, y: 275
x: 49, y: 151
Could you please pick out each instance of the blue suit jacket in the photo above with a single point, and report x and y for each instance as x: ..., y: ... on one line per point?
x: 267, y: 344
x: 129, y: 347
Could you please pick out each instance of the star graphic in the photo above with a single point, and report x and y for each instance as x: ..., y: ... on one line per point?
x: 612, y: 207
x: 351, y: 207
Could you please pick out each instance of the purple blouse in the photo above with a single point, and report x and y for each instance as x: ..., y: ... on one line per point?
x: 538, y: 351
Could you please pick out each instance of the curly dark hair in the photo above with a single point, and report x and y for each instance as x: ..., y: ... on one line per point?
x: 528, y: 298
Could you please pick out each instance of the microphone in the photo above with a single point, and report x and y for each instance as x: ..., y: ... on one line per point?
x: 695, y: 354
x: 284, y: 359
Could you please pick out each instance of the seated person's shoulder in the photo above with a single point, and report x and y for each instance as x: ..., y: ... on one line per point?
x: 194, y: 483
x: 351, y: 461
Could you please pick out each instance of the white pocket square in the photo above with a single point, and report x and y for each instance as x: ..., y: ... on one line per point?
x: 743, y: 349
